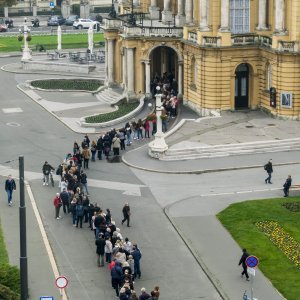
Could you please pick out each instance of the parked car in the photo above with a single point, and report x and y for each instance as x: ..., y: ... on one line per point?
x: 85, y: 23
x: 3, y: 27
x: 71, y: 19
x: 55, y: 21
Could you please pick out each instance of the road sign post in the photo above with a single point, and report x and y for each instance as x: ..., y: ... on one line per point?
x: 252, y: 262
x: 61, y: 282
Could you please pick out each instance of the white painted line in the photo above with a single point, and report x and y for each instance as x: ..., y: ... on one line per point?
x: 12, y: 110
x: 244, y: 192
x: 45, y: 238
x: 262, y: 190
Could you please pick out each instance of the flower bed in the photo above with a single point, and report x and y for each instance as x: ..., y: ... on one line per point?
x: 292, y: 206
x: 283, y: 240
x: 68, y: 84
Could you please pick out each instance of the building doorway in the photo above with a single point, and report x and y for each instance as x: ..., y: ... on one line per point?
x: 241, y: 87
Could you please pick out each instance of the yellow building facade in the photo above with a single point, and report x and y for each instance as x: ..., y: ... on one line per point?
x: 224, y: 54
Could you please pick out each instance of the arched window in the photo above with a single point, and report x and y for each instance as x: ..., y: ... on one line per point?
x: 268, y: 77
x: 240, y: 16
x: 194, y: 71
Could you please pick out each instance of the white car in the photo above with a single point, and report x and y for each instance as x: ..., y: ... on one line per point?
x: 85, y: 23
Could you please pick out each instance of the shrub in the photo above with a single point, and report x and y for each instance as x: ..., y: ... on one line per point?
x: 20, y: 38
x: 28, y: 38
x: 124, y: 109
x: 292, y: 206
x: 7, y: 294
x: 10, y: 277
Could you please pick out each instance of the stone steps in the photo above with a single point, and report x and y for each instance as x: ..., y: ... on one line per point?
x: 109, y: 96
x: 232, y: 149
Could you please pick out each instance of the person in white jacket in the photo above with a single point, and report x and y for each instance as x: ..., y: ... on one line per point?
x: 108, y: 250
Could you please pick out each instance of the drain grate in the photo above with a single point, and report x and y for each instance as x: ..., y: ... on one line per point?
x: 271, y: 124
x: 249, y: 126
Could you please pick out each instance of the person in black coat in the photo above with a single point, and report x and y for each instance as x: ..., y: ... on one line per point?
x: 243, y: 263
x: 10, y: 186
x: 269, y: 169
x: 287, y: 185
x: 126, y: 214
x: 100, y: 243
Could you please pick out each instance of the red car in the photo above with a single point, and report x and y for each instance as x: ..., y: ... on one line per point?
x: 3, y: 28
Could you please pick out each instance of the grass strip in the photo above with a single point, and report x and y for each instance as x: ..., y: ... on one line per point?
x: 124, y: 109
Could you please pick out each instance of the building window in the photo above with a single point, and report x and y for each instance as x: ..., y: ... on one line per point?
x: 240, y: 16
x: 268, y: 77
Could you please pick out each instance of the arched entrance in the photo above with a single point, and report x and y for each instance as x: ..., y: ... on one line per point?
x: 241, y: 88
x: 163, y: 66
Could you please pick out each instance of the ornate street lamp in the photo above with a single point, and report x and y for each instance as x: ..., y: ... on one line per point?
x: 132, y: 20
x: 158, y: 147
x: 112, y: 13
x: 25, y: 31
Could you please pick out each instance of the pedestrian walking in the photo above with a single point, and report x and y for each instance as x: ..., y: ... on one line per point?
x: 47, y: 168
x: 57, y: 204
x: 269, y: 169
x: 287, y: 185
x: 243, y: 263
x: 10, y: 186
x: 126, y: 214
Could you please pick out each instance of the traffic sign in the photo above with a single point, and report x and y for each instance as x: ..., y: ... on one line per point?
x: 46, y: 298
x: 61, y: 282
x: 252, y: 261
x: 51, y: 4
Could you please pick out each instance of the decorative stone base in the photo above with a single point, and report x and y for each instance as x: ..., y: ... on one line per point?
x: 154, y: 12
x: 158, y: 147
x: 166, y: 16
x: 180, y: 20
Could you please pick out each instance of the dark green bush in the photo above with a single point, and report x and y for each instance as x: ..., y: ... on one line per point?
x: 10, y: 277
x: 7, y: 294
x: 124, y: 109
x: 67, y: 84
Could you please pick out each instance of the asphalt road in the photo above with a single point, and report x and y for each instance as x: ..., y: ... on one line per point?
x: 26, y: 129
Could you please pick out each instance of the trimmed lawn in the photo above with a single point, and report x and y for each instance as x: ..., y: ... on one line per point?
x: 241, y: 220
x: 69, y: 41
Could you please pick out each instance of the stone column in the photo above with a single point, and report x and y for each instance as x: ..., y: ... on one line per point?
x: 147, y: 71
x: 203, y: 15
x: 180, y: 18
x: 5, y: 11
x: 110, y: 61
x: 130, y: 71
x: 124, y: 66
x: 166, y: 14
x: 106, y: 62
x: 154, y: 10
x: 262, y: 8
x: 225, y: 15
x: 189, y: 12
x: 34, y: 10
x: 180, y: 79
x: 279, y: 16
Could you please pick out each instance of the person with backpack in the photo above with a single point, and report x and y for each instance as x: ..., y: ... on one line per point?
x: 79, y: 213
x: 269, y: 169
x: 10, y: 186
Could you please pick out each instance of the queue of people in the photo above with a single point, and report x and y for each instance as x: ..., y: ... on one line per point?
x: 120, y: 254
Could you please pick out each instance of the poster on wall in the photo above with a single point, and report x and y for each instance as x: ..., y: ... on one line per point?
x: 286, y: 99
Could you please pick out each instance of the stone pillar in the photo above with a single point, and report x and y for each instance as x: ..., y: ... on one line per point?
x: 110, y: 61
x: 163, y: 60
x: 225, y: 15
x: 124, y: 66
x: 154, y: 10
x: 64, y: 9
x: 5, y: 11
x: 147, y: 71
x: 34, y: 10
x: 279, y: 16
x: 189, y: 12
x: 130, y: 71
x: 166, y: 14
x: 106, y: 62
x: 180, y: 18
x: 203, y: 15
x: 262, y: 9
x: 180, y: 79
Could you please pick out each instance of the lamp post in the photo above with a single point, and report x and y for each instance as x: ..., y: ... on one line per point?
x: 112, y: 13
x: 158, y: 147
x: 132, y: 20
x: 26, y: 51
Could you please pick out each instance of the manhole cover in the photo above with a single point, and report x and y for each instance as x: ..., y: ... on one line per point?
x: 13, y: 124
x: 271, y: 124
x: 249, y: 126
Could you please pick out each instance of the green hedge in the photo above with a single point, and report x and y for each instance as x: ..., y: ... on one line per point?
x: 67, y: 84
x: 7, y: 294
x: 124, y: 109
x: 10, y: 277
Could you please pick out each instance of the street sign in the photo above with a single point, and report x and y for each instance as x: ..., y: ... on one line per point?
x: 251, y: 271
x: 46, y: 298
x: 51, y: 4
x: 252, y: 261
x: 61, y: 282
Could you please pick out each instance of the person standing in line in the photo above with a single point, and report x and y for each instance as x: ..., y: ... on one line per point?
x: 65, y: 198
x: 46, y: 172
x: 10, y: 186
x: 57, y: 204
x: 93, y: 150
x: 86, y: 157
x: 136, y: 255
x: 269, y: 169
x: 287, y: 185
x: 243, y: 263
x: 126, y: 214
x: 100, y: 243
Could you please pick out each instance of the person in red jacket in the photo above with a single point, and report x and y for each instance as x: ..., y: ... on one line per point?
x: 57, y: 204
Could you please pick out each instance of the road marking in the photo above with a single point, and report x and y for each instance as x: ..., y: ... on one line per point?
x: 244, y: 192
x: 13, y: 124
x: 12, y: 110
x: 44, y: 237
